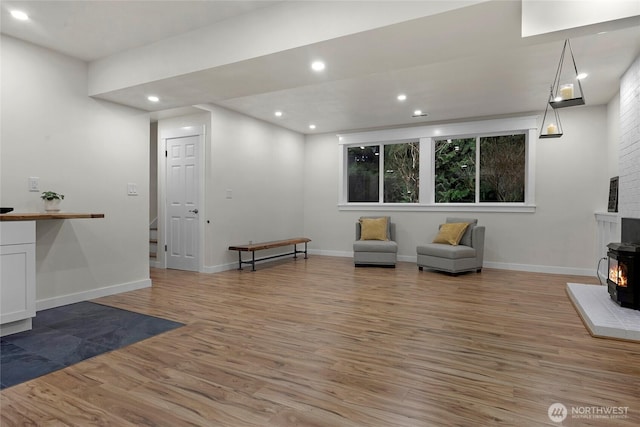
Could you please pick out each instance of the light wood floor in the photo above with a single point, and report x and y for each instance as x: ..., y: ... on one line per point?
x: 318, y: 342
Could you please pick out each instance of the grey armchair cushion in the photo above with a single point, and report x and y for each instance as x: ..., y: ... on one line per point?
x: 375, y: 246
x: 447, y: 251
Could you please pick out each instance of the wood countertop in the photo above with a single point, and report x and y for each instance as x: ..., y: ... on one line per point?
x: 27, y: 216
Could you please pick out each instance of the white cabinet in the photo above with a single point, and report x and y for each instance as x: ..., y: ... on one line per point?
x: 17, y: 276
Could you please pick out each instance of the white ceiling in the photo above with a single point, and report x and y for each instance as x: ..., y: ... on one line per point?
x: 466, y: 63
x: 92, y: 29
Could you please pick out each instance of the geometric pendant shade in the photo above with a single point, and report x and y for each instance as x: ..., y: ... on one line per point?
x: 566, y: 90
x: 551, y: 126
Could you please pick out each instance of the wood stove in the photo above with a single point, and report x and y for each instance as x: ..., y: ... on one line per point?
x: 624, y: 274
x: 623, y: 280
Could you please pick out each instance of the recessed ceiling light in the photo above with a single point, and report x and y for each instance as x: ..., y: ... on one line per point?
x: 278, y: 113
x: 402, y: 97
x: 317, y: 66
x: 19, y: 15
x: 581, y: 76
x: 312, y: 126
x: 419, y: 113
x: 153, y: 98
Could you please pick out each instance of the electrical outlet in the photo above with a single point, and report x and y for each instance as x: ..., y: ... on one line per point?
x: 229, y: 193
x: 34, y: 184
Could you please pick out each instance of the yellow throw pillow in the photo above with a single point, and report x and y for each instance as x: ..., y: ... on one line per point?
x: 374, y: 228
x: 451, y: 233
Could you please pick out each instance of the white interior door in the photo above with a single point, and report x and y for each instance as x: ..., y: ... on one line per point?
x: 182, y: 202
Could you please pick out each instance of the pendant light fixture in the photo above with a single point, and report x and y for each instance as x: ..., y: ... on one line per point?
x: 551, y: 126
x: 566, y: 90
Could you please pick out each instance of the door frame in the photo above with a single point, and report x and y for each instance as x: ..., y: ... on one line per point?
x: 182, y: 132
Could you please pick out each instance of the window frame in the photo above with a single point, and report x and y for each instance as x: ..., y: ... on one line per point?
x: 381, y: 175
x: 426, y: 135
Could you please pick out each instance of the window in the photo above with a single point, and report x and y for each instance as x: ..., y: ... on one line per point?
x: 401, y: 172
x: 364, y: 174
x: 502, y: 168
x: 500, y: 173
x: 400, y: 165
x: 455, y: 169
x: 480, y: 166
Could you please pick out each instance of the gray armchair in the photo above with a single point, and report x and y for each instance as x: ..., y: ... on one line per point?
x: 375, y: 252
x: 468, y: 255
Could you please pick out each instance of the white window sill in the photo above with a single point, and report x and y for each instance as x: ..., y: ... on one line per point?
x: 440, y: 207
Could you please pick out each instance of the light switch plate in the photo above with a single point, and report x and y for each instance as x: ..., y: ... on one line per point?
x: 34, y: 184
x: 132, y: 189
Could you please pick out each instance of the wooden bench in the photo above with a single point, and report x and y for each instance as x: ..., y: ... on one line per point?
x: 253, y: 247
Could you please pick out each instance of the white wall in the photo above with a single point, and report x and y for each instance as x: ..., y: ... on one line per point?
x: 613, y: 135
x: 262, y: 165
x: 571, y: 184
x: 87, y: 150
x: 629, y: 156
x: 153, y: 172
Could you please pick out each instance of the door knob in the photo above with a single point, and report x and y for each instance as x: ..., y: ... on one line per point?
x: 195, y: 211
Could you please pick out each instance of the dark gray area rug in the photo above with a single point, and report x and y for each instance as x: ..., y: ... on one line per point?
x: 66, y: 335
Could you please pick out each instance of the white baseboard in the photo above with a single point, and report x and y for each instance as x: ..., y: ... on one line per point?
x: 15, y: 327
x: 551, y: 269
x: 220, y: 268
x: 571, y: 271
x: 91, y: 294
x: 342, y: 254
x: 234, y: 265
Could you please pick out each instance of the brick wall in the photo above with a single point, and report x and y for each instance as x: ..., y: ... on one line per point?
x: 629, y: 163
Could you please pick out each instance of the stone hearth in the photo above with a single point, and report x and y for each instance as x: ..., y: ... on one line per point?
x: 601, y: 315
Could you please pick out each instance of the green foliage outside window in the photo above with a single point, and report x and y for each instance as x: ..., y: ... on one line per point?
x: 455, y: 170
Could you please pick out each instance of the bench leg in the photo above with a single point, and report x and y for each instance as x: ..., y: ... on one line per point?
x: 295, y: 251
x: 239, y: 260
x: 305, y: 250
x: 253, y: 260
